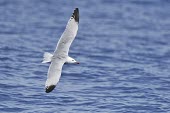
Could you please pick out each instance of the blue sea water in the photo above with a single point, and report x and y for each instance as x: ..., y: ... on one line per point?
x: 123, y: 47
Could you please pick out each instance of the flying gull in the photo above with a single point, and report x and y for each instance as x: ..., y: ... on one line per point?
x: 60, y: 55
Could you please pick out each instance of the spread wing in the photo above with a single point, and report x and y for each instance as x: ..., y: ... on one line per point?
x: 68, y: 35
x: 54, y: 73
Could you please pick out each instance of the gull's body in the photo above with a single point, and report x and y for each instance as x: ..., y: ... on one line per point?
x: 60, y: 55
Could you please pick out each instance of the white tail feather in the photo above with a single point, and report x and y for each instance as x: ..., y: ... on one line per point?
x: 47, y: 57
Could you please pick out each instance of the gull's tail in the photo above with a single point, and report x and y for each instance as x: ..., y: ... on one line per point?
x: 47, y: 57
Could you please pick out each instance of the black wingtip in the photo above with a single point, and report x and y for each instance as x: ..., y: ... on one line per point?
x: 75, y: 15
x: 49, y: 88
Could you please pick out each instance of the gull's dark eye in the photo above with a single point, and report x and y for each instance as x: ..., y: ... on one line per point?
x: 72, y: 60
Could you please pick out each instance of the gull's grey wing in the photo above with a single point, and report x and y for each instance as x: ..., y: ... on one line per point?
x: 54, y: 73
x: 68, y: 35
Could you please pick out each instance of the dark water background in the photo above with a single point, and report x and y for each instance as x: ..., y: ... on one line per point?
x: 123, y: 47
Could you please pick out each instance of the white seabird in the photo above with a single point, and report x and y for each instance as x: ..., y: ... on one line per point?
x: 60, y: 55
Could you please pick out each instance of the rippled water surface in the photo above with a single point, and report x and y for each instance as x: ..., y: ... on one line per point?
x: 123, y: 48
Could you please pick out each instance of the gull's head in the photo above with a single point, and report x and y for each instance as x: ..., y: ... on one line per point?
x: 71, y: 60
